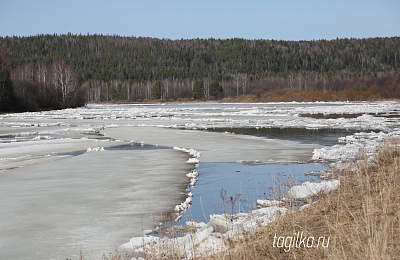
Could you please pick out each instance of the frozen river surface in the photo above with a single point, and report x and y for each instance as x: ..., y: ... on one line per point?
x: 88, y: 179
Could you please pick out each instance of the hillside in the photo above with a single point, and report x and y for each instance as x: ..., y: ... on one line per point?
x: 127, y: 68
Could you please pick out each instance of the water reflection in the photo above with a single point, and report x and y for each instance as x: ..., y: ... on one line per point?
x: 326, y: 137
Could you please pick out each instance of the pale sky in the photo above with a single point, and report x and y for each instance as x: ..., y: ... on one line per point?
x: 176, y: 19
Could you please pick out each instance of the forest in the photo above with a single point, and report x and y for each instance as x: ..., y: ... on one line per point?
x: 116, y: 68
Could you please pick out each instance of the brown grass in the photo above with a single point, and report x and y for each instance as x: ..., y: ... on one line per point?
x: 361, y: 218
x: 277, y: 95
x: 307, y: 95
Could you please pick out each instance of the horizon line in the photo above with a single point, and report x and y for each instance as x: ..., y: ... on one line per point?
x: 69, y: 34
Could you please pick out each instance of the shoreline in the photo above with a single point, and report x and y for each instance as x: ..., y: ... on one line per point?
x: 208, y: 238
x: 365, y: 205
x: 217, y: 236
x: 211, y: 237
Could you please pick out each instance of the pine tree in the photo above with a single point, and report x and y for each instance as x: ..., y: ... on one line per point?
x: 198, y: 90
x: 216, y: 89
x: 156, y: 90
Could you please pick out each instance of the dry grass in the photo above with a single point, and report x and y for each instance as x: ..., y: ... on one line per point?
x: 361, y: 218
x: 276, y: 95
x: 307, y: 95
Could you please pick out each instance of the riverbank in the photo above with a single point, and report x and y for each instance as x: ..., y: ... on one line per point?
x: 361, y: 218
x: 264, y: 96
x: 357, y: 220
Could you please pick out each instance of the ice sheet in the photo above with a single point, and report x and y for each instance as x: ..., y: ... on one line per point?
x: 94, y: 202
x: 218, y: 147
x: 16, y: 154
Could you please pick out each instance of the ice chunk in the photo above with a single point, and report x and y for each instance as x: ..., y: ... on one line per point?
x: 202, y: 234
x: 308, y: 189
x: 192, y: 174
x: 193, y: 160
x: 184, y: 205
x: 221, y: 223
x: 269, y: 203
x: 95, y: 149
x: 191, y: 152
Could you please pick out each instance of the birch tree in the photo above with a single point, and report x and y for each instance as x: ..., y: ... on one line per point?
x: 65, y: 80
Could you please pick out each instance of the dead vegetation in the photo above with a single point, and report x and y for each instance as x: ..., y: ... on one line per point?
x: 307, y: 95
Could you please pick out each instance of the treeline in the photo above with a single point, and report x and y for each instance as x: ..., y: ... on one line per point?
x: 383, y: 85
x: 128, y: 68
x: 34, y: 87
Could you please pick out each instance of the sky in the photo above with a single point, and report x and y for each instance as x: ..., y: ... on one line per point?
x: 187, y: 19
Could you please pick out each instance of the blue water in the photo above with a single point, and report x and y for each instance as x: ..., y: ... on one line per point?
x: 252, y: 182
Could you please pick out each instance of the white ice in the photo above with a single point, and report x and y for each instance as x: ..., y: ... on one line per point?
x: 209, y: 239
x: 269, y: 203
x: 93, y: 202
x: 218, y: 147
x: 308, y: 189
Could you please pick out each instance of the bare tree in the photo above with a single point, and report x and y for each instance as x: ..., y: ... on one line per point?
x: 237, y: 85
x: 41, y: 77
x: 165, y: 88
x: 207, y: 83
x: 41, y: 72
x: 65, y: 79
x: 148, y: 90
x: 244, y: 82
